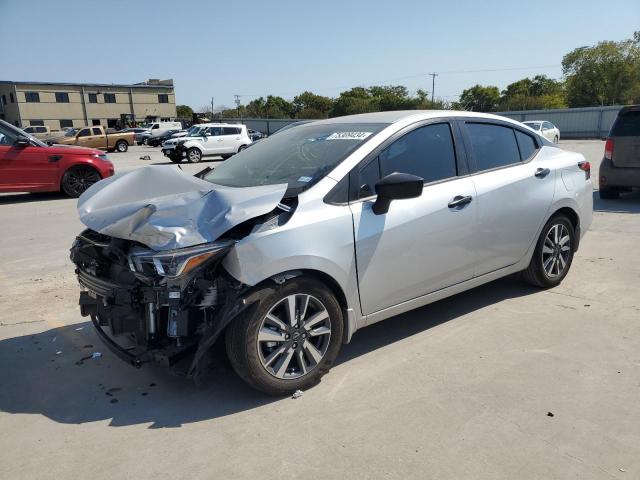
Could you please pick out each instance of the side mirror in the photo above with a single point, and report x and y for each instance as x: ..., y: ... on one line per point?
x: 396, y: 186
x: 23, y: 141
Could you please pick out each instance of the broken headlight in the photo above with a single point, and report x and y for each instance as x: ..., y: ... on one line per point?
x: 174, y: 263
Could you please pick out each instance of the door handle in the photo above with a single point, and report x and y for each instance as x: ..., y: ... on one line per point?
x: 54, y: 158
x: 460, y: 201
x: 542, y: 172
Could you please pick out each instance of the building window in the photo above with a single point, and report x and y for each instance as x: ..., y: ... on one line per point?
x: 112, y: 122
x: 95, y: 121
x: 163, y: 98
x: 62, y: 97
x: 109, y: 98
x: 36, y: 123
x: 32, y: 96
x: 93, y: 98
x: 66, y: 123
x: 11, y: 97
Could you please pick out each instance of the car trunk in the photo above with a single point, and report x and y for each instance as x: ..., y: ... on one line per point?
x: 626, y: 137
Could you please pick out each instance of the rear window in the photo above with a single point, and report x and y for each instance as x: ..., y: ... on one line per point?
x: 626, y: 125
x: 493, y: 145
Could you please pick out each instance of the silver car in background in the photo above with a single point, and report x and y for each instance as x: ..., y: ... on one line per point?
x: 293, y: 245
x: 547, y: 129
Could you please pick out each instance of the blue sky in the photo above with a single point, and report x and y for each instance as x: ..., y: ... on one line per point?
x: 253, y: 48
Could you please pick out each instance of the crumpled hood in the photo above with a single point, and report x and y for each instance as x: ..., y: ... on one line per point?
x: 164, y: 208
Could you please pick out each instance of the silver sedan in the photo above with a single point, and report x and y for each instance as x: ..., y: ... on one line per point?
x: 293, y: 245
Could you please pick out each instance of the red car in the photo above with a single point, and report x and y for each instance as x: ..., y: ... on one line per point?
x: 28, y: 165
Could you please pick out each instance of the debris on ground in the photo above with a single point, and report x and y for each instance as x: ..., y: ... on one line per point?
x: 113, y: 400
x: 89, y: 357
x: 145, y: 157
x: 550, y: 414
x: 622, y: 469
x: 54, y: 339
x: 297, y: 394
x: 58, y: 352
x: 79, y: 328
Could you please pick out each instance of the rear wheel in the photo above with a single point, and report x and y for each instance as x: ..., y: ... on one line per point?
x: 121, y: 146
x: 608, y: 193
x: 77, y: 179
x: 553, y: 254
x: 242, y: 147
x: 194, y: 155
x: 555, y: 140
x: 290, y: 340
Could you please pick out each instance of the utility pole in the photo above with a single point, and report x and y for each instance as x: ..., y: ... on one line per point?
x: 433, y: 86
x: 237, y: 100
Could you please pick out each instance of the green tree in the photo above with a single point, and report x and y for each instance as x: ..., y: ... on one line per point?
x: 605, y: 74
x: 310, y: 105
x: 479, y: 99
x: 184, y: 111
x: 539, y: 92
x: 278, y: 107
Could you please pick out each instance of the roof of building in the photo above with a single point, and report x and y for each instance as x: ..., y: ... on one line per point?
x: 152, y: 83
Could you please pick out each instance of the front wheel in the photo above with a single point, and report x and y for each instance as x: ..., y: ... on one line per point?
x: 555, y: 140
x: 290, y: 340
x: 553, y: 254
x: 122, y: 146
x: 194, y: 155
x: 77, y: 179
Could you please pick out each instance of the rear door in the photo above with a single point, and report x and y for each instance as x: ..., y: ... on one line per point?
x: 514, y: 192
x: 231, y: 139
x: 626, y: 139
x: 421, y: 244
x: 25, y: 168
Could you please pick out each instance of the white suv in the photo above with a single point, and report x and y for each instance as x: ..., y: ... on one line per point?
x: 221, y: 139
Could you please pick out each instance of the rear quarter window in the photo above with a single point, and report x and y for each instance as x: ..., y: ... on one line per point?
x: 627, y: 125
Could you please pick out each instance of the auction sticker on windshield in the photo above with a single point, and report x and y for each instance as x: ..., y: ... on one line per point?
x: 349, y: 135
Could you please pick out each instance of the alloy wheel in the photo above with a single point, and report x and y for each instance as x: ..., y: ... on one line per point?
x: 294, y: 336
x: 79, y: 179
x: 556, y: 250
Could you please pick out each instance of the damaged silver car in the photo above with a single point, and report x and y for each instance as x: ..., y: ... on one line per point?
x: 288, y: 248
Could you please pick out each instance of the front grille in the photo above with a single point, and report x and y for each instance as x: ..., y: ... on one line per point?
x: 99, y: 286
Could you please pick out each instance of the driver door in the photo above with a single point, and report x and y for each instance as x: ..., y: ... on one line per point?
x: 24, y: 168
x: 421, y: 244
x: 213, y: 141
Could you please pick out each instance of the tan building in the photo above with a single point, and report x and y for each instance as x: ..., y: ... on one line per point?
x: 60, y: 105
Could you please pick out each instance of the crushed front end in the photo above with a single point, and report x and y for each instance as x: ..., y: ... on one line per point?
x: 150, y: 306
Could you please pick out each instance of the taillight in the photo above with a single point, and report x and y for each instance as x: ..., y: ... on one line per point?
x: 608, y: 149
x: 586, y: 168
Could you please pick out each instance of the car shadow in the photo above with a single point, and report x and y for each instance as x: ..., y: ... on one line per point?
x: 629, y: 202
x: 52, y: 373
x: 9, y: 198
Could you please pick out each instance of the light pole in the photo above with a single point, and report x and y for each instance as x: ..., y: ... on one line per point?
x: 237, y: 100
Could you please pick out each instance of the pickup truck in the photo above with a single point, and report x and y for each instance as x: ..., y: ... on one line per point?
x: 96, y: 137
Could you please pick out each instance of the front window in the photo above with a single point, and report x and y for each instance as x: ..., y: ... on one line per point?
x: 299, y: 156
x: 193, y: 131
x: 9, y: 134
x: 535, y: 126
x: 71, y: 133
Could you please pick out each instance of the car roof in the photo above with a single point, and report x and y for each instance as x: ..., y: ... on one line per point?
x: 535, y: 121
x: 417, y: 115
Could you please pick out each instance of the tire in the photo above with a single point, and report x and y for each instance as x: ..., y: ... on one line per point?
x: 551, y: 262
x: 256, y: 360
x: 241, y: 147
x: 122, y: 146
x: 555, y: 140
x: 194, y: 155
x: 175, y: 159
x: 78, y: 178
x: 608, y: 193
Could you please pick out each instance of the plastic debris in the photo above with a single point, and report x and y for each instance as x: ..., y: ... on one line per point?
x: 79, y: 328
x: 297, y: 394
x: 58, y: 352
x: 622, y: 469
x: 145, y: 157
x: 96, y: 355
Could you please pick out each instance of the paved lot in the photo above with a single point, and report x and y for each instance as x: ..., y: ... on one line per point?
x: 504, y: 381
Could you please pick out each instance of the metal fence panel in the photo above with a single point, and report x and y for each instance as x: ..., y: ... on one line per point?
x: 588, y: 122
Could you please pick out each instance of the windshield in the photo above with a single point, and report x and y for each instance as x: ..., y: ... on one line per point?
x: 71, y: 133
x: 535, y: 126
x: 193, y: 131
x: 299, y: 156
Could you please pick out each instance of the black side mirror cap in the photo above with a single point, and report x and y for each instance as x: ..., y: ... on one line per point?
x: 23, y: 141
x: 396, y: 186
